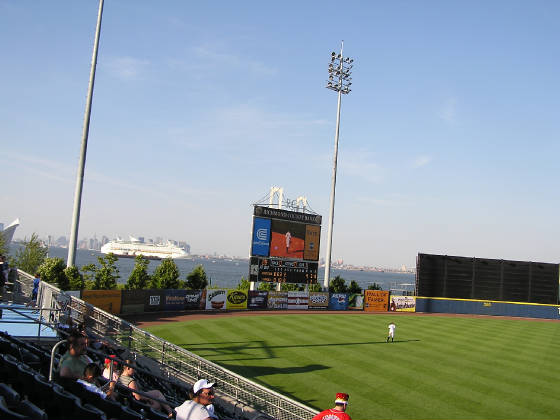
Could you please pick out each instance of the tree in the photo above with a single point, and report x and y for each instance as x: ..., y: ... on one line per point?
x: 266, y: 286
x: 139, y: 278
x: 354, y: 287
x: 374, y: 286
x: 103, y: 277
x: 244, y: 284
x: 196, y: 279
x: 75, y: 278
x: 291, y: 287
x: 31, y: 255
x: 315, y: 287
x: 338, y: 285
x: 4, y: 247
x: 52, y: 271
x: 166, y: 275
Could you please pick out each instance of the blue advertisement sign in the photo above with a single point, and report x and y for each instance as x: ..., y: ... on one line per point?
x: 261, y: 237
x: 174, y: 300
x: 338, y: 301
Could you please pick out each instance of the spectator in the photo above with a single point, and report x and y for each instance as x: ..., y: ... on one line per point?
x: 35, y: 291
x: 75, y: 360
x: 111, y: 365
x: 127, y: 379
x: 91, y: 372
x: 196, y: 407
x: 4, y: 269
x: 338, y: 412
x: 211, y: 412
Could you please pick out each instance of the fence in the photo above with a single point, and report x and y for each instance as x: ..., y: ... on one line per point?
x: 175, y: 363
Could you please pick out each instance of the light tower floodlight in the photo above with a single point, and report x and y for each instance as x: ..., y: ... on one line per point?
x: 340, y: 70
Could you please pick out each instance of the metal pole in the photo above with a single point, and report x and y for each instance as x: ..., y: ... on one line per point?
x: 82, y: 163
x: 333, y: 186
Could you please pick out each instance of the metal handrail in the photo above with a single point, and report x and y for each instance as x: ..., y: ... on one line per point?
x: 176, y: 364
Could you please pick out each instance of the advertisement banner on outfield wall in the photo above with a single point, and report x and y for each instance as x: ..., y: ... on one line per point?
x: 376, y: 300
x: 277, y: 300
x: 193, y: 299
x: 236, y: 299
x: 216, y: 299
x: 355, y: 301
x: 108, y: 300
x: 298, y: 300
x: 318, y: 300
x: 174, y: 300
x: 338, y: 301
x: 133, y: 301
x: 257, y: 299
x: 403, y: 303
x: 154, y: 300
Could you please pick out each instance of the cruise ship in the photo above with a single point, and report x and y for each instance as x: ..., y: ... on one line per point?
x: 135, y: 246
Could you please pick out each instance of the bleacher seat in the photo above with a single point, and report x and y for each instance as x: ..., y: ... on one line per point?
x: 65, y: 403
x: 87, y: 412
x: 128, y: 413
x: 26, y: 379
x: 8, y: 366
x: 27, y: 408
x: 6, y: 413
x: 152, y: 414
x: 43, y: 395
x: 11, y: 396
x: 110, y: 407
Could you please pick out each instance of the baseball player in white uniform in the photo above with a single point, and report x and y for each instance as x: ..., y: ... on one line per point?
x: 391, y: 335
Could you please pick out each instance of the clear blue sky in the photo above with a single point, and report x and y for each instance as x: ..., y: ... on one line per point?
x: 449, y: 140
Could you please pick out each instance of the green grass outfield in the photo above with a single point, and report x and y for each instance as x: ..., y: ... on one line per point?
x: 438, y: 367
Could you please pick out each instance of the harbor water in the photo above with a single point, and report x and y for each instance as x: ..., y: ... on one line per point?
x: 227, y: 273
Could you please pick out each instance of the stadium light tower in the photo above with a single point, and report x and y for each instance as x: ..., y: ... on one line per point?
x: 340, y: 70
x: 85, y: 133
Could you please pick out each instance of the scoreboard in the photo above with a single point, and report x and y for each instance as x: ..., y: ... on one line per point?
x: 283, y: 271
x: 285, y: 246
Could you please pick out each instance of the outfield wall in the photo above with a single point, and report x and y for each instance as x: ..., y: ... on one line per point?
x: 487, y: 307
x: 137, y: 301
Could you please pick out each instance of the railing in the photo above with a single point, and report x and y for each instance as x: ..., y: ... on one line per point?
x: 174, y: 363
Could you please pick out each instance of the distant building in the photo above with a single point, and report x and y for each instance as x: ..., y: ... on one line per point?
x: 61, y: 242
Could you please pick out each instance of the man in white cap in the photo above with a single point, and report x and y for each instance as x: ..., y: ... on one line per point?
x: 195, y: 408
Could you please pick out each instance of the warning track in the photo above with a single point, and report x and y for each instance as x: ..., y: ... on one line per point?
x: 148, y: 319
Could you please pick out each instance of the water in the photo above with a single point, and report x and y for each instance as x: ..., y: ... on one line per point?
x: 228, y: 273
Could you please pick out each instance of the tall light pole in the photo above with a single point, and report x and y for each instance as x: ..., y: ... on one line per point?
x: 85, y: 133
x: 340, y: 70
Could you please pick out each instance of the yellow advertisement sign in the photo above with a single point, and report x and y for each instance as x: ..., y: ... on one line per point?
x: 376, y: 300
x: 108, y: 300
x: 236, y: 299
x: 403, y: 303
x: 312, y: 238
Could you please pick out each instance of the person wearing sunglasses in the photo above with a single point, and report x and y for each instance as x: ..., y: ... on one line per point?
x: 202, y: 394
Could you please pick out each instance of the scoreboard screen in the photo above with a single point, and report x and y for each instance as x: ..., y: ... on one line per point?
x: 285, y: 246
x: 282, y: 271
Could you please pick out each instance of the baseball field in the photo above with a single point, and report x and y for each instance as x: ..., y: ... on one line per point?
x: 439, y: 367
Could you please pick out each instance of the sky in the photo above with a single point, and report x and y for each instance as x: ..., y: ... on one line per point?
x: 449, y: 140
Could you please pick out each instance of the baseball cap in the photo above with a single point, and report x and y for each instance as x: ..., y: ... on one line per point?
x: 202, y: 384
x: 341, y: 398
x: 108, y: 359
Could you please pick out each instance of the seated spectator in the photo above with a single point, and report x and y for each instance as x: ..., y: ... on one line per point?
x: 127, y: 379
x: 202, y: 396
x: 91, y: 383
x: 109, y: 365
x: 75, y: 360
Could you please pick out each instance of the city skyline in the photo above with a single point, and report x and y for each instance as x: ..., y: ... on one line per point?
x: 448, y: 140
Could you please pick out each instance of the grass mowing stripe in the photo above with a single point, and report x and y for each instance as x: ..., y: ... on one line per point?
x: 456, y: 368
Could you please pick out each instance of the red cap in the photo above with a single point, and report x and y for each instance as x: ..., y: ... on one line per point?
x: 108, y: 360
x: 341, y: 398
